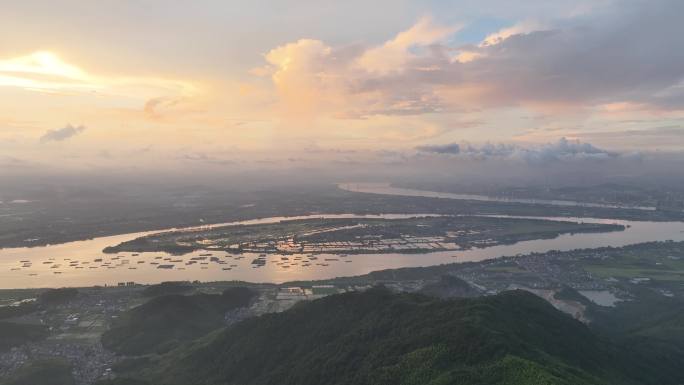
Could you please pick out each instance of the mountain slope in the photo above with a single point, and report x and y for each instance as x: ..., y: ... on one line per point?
x: 15, y: 334
x: 378, y: 337
x: 54, y: 371
x: 164, y: 322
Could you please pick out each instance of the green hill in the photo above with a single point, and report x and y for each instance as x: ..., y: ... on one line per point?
x: 164, y: 322
x: 378, y: 337
x: 42, y: 372
x: 165, y: 288
x: 53, y: 297
x: 15, y: 334
x: 450, y: 286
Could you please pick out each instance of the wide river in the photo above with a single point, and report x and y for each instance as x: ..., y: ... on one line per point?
x: 50, y: 265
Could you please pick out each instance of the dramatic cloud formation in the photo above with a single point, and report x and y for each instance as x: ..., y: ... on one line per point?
x: 627, y: 56
x: 630, y: 55
x: 382, y: 81
x: 562, y: 150
x: 354, y: 82
x: 60, y: 134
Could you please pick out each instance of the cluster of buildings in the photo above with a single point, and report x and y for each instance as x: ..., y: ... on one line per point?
x: 361, y: 244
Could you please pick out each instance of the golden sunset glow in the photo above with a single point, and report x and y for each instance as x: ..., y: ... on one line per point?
x: 441, y: 74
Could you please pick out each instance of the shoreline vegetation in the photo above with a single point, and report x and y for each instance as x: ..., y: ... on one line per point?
x: 108, y: 219
x: 359, y: 235
x: 227, y: 321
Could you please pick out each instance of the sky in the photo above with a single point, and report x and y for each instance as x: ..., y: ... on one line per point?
x: 214, y: 85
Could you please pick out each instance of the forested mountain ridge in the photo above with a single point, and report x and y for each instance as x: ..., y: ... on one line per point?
x: 378, y: 337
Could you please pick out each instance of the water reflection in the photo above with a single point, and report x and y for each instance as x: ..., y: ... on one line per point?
x: 82, y: 263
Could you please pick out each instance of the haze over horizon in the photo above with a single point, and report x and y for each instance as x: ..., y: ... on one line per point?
x: 224, y: 87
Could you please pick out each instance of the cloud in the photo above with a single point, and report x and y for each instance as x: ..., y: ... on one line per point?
x: 60, y: 134
x: 451, y: 148
x: 626, y: 54
x: 517, y: 29
x: 395, y: 54
x: 12, y: 163
x: 206, y: 158
x: 629, y: 55
x: 562, y: 150
x: 356, y: 81
x: 47, y: 72
x: 303, y: 73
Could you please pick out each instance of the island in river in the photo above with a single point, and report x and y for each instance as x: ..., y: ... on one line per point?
x: 360, y: 235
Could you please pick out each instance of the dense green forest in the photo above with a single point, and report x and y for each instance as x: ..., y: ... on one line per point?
x: 162, y: 323
x: 14, y: 334
x: 378, y: 337
x: 42, y: 372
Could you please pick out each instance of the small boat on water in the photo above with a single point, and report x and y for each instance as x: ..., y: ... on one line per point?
x: 258, y: 262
